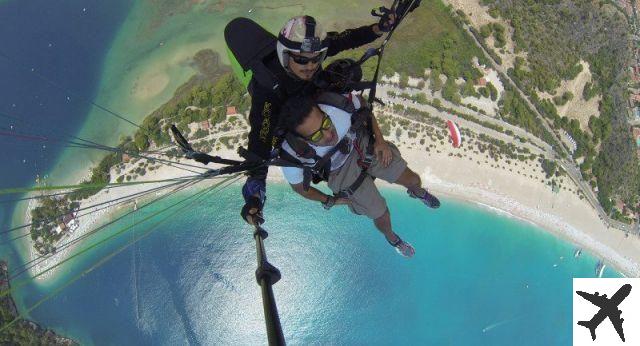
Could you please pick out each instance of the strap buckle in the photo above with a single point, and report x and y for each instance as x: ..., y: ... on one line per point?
x: 365, y: 163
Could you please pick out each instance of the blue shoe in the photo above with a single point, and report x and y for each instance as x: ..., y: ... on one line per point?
x: 403, y: 248
x: 428, y: 199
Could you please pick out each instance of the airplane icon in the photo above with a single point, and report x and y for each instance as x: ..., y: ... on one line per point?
x: 608, y: 308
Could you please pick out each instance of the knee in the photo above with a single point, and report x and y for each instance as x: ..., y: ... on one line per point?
x: 384, y: 219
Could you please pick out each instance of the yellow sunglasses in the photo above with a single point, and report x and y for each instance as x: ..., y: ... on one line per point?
x: 326, y: 125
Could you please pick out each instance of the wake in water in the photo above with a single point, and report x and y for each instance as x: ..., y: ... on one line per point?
x: 498, y: 324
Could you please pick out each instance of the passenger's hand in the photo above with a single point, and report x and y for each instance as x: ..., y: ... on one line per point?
x: 341, y: 201
x: 383, y: 152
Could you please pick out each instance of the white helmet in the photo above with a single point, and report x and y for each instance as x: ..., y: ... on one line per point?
x: 300, y: 35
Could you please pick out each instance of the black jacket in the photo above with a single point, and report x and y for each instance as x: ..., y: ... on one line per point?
x: 266, y: 104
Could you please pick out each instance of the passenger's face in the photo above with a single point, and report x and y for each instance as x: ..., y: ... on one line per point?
x: 304, y: 71
x: 317, y: 122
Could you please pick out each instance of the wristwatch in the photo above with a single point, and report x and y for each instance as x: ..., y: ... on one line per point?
x: 330, y: 202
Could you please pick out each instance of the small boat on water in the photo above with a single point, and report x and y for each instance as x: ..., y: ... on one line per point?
x: 577, y: 253
x: 600, y: 268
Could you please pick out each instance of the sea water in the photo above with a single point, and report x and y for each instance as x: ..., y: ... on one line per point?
x: 477, y: 278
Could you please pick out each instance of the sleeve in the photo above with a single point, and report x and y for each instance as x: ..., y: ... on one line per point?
x: 293, y: 175
x: 262, y: 120
x: 350, y: 39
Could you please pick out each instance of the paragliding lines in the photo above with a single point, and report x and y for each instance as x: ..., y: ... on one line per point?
x: 56, y: 85
x: 191, y: 200
x: 115, y: 234
x: 109, y: 203
x: 36, y: 261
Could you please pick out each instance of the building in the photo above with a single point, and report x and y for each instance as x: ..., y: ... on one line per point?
x: 126, y: 158
x: 60, y: 228
x: 231, y: 110
x: 635, y: 73
x: 67, y: 219
x: 73, y: 225
x: 204, y: 125
x: 481, y: 82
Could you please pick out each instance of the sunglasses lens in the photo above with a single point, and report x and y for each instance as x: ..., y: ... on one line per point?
x: 316, y: 136
x: 303, y: 60
x: 326, y: 124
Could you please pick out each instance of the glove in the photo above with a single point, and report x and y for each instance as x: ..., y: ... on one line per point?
x: 385, y: 15
x: 254, y: 193
x: 256, y: 217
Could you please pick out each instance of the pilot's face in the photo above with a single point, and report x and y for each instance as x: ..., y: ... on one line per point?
x: 304, y: 71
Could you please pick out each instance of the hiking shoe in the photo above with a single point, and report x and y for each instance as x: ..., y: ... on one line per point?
x: 405, y: 249
x: 428, y: 199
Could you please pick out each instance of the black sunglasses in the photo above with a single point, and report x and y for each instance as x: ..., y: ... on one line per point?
x: 303, y: 60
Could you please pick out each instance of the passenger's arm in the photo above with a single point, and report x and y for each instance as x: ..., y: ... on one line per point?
x: 312, y: 193
x: 381, y: 148
x: 377, y: 133
x: 316, y: 195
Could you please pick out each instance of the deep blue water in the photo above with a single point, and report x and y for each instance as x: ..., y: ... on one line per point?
x: 65, y: 44
x: 477, y: 278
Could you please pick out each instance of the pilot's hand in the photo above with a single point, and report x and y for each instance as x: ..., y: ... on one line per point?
x: 252, y: 211
x: 386, y: 24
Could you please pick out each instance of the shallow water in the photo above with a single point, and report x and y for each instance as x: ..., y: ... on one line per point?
x: 477, y: 278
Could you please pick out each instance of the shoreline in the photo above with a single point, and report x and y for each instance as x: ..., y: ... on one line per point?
x: 494, y: 189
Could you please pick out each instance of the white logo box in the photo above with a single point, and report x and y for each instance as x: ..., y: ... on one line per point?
x: 584, y: 310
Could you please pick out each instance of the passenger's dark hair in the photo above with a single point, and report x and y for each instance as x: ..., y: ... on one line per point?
x: 295, y: 111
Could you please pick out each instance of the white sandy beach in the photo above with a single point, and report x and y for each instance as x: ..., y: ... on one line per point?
x: 472, y: 177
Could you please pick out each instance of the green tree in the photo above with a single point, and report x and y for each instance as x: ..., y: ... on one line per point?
x: 141, y: 140
x: 486, y: 30
x: 436, y: 82
x: 450, y: 91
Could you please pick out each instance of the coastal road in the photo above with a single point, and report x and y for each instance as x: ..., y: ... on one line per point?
x: 568, y: 165
x: 463, y: 123
x: 481, y: 117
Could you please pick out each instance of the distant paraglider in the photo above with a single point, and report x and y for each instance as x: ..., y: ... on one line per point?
x: 454, y: 134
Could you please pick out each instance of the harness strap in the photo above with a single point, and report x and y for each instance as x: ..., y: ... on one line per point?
x: 364, y: 162
x: 322, y: 166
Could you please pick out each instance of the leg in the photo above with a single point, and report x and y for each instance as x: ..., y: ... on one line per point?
x: 411, y: 181
x: 383, y: 224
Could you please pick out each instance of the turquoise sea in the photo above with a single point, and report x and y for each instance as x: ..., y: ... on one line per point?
x: 478, y: 278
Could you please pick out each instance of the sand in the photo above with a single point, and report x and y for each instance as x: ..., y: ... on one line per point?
x: 514, y: 189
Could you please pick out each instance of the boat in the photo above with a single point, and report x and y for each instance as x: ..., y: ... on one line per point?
x: 577, y: 253
x: 600, y: 268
